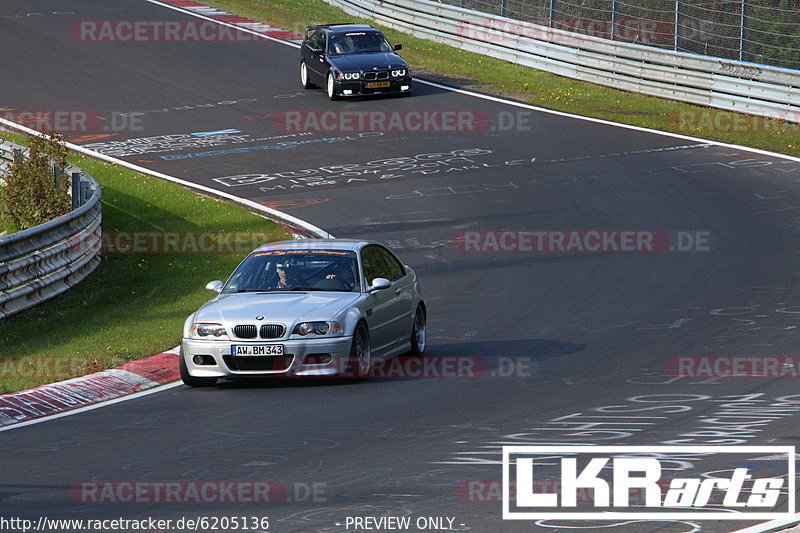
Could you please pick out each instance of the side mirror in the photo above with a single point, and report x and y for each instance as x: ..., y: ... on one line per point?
x: 214, y: 286
x: 398, y: 47
x: 378, y: 284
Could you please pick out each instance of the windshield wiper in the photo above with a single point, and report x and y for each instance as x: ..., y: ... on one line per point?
x: 247, y: 290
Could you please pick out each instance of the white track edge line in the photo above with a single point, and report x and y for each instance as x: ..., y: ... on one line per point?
x: 607, y: 122
x: 223, y: 23
x: 92, y: 407
x: 280, y: 215
x: 521, y: 104
x: 754, y: 529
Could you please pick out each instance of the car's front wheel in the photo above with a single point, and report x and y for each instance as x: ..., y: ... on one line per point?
x: 304, y: 76
x: 418, y: 333
x: 360, y: 361
x: 332, y: 87
x: 194, y: 381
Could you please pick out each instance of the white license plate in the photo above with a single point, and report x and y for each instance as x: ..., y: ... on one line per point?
x: 256, y: 350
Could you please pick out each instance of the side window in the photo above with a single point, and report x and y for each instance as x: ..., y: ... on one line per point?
x: 380, y: 263
x: 313, y: 41
x: 394, y: 268
x: 372, y: 264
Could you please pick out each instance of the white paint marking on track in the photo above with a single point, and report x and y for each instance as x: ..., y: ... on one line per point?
x: 760, y: 528
x: 773, y: 525
x: 513, y: 103
x: 606, y: 122
x: 274, y: 213
x: 239, y: 27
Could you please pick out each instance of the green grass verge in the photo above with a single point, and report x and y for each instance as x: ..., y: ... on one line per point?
x: 464, y: 69
x: 5, y: 227
x: 134, y: 304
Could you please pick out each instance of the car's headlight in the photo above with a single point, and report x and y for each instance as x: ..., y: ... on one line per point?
x: 208, y: 330
x: 398, y: 72
x: 317, y: 328
x: 352, y: 75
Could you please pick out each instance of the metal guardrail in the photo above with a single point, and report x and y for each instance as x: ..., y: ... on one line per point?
x: 709, y: 81
x: 39, y: 263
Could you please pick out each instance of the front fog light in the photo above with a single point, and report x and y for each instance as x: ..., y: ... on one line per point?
x: 318, y: 359
x: 203, y: 360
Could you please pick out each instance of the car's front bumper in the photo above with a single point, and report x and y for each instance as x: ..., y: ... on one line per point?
x: 292, y: 363
x: 362, y: 87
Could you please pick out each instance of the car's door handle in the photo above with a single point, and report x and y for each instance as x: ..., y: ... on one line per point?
x: 398, y: 291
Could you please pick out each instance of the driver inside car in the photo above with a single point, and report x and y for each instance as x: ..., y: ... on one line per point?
x: 285, y: 278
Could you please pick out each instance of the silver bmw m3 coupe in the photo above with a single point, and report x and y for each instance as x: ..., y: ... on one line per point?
x: 305, y: 308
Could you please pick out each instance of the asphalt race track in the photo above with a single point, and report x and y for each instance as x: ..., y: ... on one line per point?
x: 564, y: 341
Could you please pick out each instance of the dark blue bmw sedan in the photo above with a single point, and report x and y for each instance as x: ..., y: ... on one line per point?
x: 352, y: 60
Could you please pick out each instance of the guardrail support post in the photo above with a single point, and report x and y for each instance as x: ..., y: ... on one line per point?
x: 678, y: 11
x: 86, y: 191
x: 56, y: 173
x: 743, y: 30
x: 503, y: 8
x: 553, y: 13
x: 77, y: 192
x: 614, y: 19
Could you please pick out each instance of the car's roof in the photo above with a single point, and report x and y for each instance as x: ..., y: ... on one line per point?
x: 316, y: 244
x: 346, y: 28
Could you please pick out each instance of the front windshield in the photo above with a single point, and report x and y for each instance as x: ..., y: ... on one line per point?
x: 296, y: 270
x: 358, y: 43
